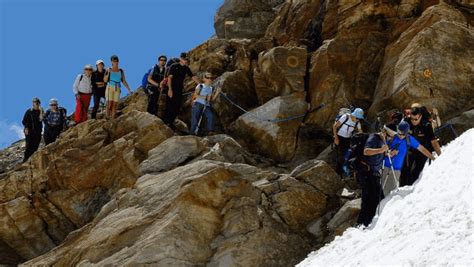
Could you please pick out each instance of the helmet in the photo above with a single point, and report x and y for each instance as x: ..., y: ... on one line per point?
x: 358, y: 113
x: 403, y: 127
x: 53, y: 101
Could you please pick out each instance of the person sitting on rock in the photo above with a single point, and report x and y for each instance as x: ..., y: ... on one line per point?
x: 114, y: 77
x: 33, y: 127
x: 203, y: 96
x: 54, y: 121
x: 343, y: 129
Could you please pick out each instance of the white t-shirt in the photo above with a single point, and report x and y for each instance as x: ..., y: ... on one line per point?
x: 347, y: 127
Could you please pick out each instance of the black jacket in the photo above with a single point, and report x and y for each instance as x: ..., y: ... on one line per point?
x: 31, y: 120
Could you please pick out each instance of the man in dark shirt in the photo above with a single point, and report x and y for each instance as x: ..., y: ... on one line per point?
x: 369, y: 177
x: 415, y: 161
x: 98, y: 86
x: 154, y: 79
x: 33, y: 126
x: 176, y: 75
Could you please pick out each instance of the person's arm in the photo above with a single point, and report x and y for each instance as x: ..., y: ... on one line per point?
x: 41, y: 116
x: 335, y: 126
x: 436, y: 146
x: 170, y: 86
x: 26, y: 122
x: 106, y: 76
x: 425, y: 152
x: 124, y: 81
x: 151, y: 81
x: 75, y: 86
x: 375, y: 151
x: 359, y: 127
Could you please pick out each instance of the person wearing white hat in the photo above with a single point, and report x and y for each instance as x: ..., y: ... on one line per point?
x: 54, y: 121
x: 98, y: 86
x: 82, y: 89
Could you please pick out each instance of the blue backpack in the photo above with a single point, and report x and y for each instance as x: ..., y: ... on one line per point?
x: 145, y: 78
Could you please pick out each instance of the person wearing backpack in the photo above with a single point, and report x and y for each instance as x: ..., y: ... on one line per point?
x: 203, y: 96
x: 114, y: 77
x: 176, y: 75
x: 98, y: 86
x: 153, y: 87
x: 343, y: 129
x: 54, y: 120
x: 422, y: 130
x: 399, y: 145
x: 82, y: 89
x: 33, y: 127
x: 368, y: 176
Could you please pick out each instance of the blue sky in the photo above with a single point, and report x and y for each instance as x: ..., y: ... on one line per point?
x: 44, y: 44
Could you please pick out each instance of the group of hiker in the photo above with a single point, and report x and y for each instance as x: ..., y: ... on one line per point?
x: 390, y: 158
x: 164, y: 87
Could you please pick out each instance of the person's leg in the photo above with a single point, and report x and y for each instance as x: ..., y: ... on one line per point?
x: 113, y: 109
x: 151, y: 108
x: 48, y: 135
x: 27, y: 148
x: 209, y: 120
x: 96, y: 106
x: 33, y: 141
x: 375, y: 195
x: 406, y: 170
x: 176, y: 107
x: 343, y: 146
x: 78, y: 110
x: 418, y: 165
x: 56, y: 131
x: 86, y: 100
x: 363, y: 214
x: 196, y: 114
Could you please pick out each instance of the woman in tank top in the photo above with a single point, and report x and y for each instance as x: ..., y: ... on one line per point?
x: 114, y: 77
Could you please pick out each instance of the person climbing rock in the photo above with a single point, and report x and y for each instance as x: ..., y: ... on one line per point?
x: 153, y: 87
x: 54, y: 121
x: 203, y: 97
x: 369, y: 177
x: 343, y: 129
x: 422, y: 130
x: 33, y: 127
x: 82, y: 89
x: 98, y: 86
x: 114, y: 77
x: 399, y: 145
x: 176, y: 75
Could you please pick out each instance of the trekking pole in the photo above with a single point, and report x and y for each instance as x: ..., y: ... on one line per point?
x: 200, y: 119
x: 383, y: 186
x: 391, y: 164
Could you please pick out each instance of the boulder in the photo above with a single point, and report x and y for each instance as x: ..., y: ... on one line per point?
x: 276, y: 140
x: 338, y: 80
x: 298, y: 23
x: 320, y: 175
x: 11, y: 156
x: 244, y: 18
x: 171, y: 153
x: 419, y: 66
x: 64, y: 185
x: 203, y: 213
x: 137, y: 101
x: 346, y: 217
x: 238, y: 88
x: 280, y: 72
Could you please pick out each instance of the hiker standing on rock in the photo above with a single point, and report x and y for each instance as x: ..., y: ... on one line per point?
x: 154, y: 84
x: 176, y: 75
x: 82, y: 89
x: 114, y: 77
x: 422, y: 130
x: 54, y: 121
x: 33, y: 127
x: 369, y: 177
x: 203, y: 96
x: 98, y: 86
x: 342, y: 130
x: 399, y: 145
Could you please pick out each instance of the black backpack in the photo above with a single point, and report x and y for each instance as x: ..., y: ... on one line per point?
x: 354, y: 157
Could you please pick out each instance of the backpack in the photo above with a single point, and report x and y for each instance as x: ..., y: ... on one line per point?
x: 342, y: 112
x: 172, y: 61
x: 145, y: 77
x: 354, y: 157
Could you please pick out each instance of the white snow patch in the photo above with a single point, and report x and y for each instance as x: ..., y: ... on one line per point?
x: 430, y: 223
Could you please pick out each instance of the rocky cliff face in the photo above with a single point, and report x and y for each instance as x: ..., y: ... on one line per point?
x: 130, y: 192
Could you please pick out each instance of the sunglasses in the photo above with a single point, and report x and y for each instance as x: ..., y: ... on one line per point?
x: 163, y: 60
x: 53, y: 105
x: 88, y: 69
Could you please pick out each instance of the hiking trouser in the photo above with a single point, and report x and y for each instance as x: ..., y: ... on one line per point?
x: 412, y: 168
x: 344, y: 144
x: 197, y: 112
x: 388, y: 180
x: 372, y: 194
x: 51, y: 133
x: 153, y: 99
x: 33, y: 141
x: 98, y: 94
x: 82, y: 107
x: 173, y: 106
